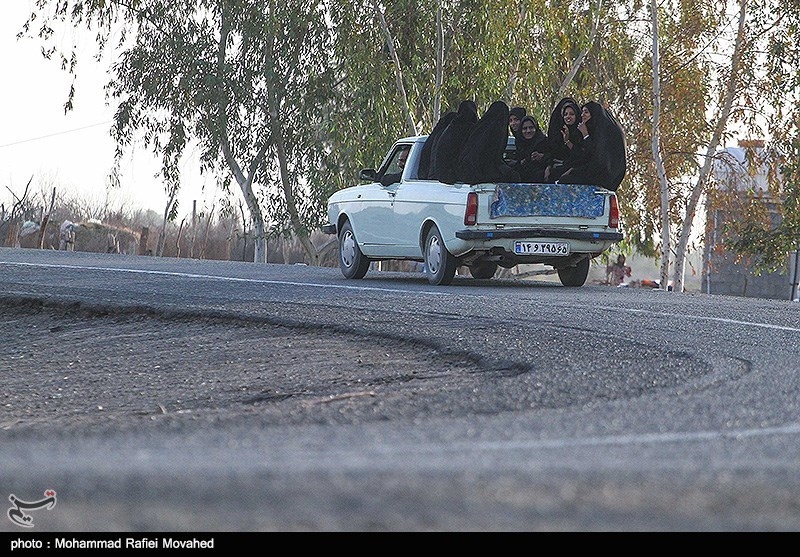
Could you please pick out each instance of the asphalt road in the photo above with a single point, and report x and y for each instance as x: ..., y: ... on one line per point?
x: 190, y: 396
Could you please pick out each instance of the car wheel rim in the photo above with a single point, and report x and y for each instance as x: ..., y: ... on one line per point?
x: 434, y: 255
x: 348, y: 250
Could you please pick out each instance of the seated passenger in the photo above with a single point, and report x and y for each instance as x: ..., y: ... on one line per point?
x: 533, y: 151
x: 515, y: 116
x: 444, y: 157
x: 425, y: 168
x: 604, y: 162
x: 482, y: 157
x: 564, y: 138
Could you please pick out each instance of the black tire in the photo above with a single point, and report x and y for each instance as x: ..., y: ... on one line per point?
x: 574, y: 276
x: 440, y: 264
x: 483, y: 270
x: 351, y: 261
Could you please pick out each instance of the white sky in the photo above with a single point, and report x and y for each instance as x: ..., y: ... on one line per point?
x: 72, y: 152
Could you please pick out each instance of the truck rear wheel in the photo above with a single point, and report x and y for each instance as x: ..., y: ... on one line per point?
x: 574, y: 276
x: 483, y: 270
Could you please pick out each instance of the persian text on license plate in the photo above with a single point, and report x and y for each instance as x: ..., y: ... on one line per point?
x: 541, y: 248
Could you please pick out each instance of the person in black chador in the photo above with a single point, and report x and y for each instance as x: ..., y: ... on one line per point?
x: 482, y: 157
x: 425, y: 169
x: 565, y: 139
x: 603, y: 143
x: 533, y: 151
x: 445, y: 154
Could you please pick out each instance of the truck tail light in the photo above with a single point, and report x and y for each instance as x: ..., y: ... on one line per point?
x: 613, y: 214
x: 471, y: 214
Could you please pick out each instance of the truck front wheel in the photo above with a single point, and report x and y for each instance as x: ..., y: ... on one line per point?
x: 351, y: 261
x: 440, y: 264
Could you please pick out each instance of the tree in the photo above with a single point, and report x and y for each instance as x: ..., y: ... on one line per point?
x: 755, y: 234
x: 691, y: 87
x: 238, y: 77
x: 731, y: 78
x: 522, y: 54
x: 656, y: 148
x: 734, y: 97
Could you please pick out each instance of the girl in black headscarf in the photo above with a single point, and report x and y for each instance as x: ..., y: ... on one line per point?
x: 445, y: 153
x: 482, y: 157
x: 603, y: 144
x: 564, y: 138
x: 533, y: 151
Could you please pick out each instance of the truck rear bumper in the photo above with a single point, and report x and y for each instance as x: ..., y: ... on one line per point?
x: 526, y: 233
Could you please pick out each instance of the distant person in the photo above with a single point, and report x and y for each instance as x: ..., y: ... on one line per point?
x: 650, y: 283
x: 66, y: 238
x: 617, y: 272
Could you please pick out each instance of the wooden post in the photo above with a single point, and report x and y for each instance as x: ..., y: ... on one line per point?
x: 143, y: 240
x: 45, y: 219
x: 194, y: 228
x: 11, y: 234
x: 178, y: 239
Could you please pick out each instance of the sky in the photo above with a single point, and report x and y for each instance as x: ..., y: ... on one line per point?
x: 72, y: 152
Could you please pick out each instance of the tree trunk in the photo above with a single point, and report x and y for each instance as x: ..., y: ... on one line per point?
x: 245, y: 182
x: 205, y: 236
x: 562, y: 92
x: 656, y: 148
x: 287, y: 185
x: 46, y: 219
x: 439, y: 69
x: 250, y: 199
x: 518, y: 45
x: 398, y: 71
x: 705, y: 171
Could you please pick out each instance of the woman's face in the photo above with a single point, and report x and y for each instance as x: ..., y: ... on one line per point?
x: 585, y: 114
x: 528, y: 129
x: 569, y: 115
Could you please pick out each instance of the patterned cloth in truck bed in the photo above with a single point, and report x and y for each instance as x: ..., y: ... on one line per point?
x: 547, y: 200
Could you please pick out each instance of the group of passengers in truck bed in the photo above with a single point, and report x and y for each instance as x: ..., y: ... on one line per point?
x: 583, y: 145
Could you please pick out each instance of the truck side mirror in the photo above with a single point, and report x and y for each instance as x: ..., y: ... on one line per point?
x: 367, y: 174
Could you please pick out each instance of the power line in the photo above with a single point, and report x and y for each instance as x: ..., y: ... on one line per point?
x: 55, y: 134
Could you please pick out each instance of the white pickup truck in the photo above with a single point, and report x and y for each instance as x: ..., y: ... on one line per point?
x: 397, y: 216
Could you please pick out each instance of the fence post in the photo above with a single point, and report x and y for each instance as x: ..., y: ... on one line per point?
x: 143, y: 240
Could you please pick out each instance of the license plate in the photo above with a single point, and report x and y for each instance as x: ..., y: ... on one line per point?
x: 541, y: 248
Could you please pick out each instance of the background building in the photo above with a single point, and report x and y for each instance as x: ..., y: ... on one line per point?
x: 741, y: 169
